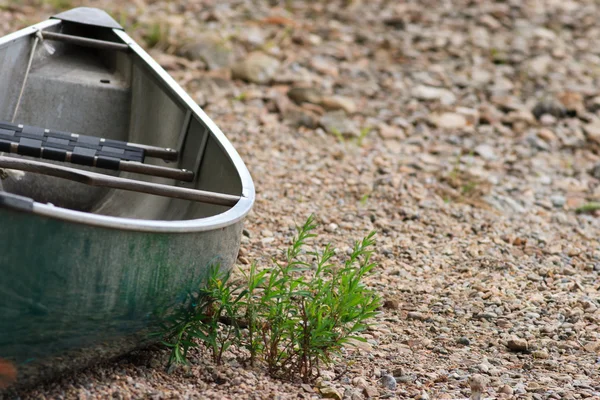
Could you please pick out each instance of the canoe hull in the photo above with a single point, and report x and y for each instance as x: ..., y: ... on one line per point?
x: 80, y: 293
x: 88, y: 275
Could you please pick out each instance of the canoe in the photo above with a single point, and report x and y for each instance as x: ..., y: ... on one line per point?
x: 117, y: 194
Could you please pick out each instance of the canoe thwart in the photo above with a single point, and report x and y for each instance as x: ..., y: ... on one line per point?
x: 85, y: 42
x: 101, y: 180
x: 87, y: 150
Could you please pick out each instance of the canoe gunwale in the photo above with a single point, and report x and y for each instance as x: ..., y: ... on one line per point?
x: 174, y: 90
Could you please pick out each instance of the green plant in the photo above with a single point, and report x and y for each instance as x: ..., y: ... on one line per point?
x: 363, y: 134
x: 59, y: 5
x: 295, y: 316
x: 336, y: 132
x: 156, y: 34
x: 199, y: 318
x: 364, y: 199
x: 588, y: 207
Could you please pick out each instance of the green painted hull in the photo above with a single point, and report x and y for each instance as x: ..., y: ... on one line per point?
x: 73, y: 293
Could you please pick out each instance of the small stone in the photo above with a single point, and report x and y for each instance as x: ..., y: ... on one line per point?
x: 253, y: 35
x: 244, y: 260
x: 558, y: 200
x: 464, y: 341
x: 520, y: 116
x: 209, y: 47
x: 266, y: 233
x: 477, y: 384
x: 573, y: 102
x: 472, y: 115
x: 220, y: 378
x: 592, y: 131
x: 549, y: 105
x: 546, y: 135
x: 395, y: 22
x: 533, y: 387
x: 592, y: 347
x: 539, y: 66
x: 337, y: 123
x: 594, y: 104
x: 433, y: 93
x: 388, y: 382
x: 423, y: 396
x: 486, y: 152
x: 517, y: 344
x: 391, y: 304
x: 324, y: 66
x: 339, y: 103
x: 417, y: 315
x: 307, y: 388
x: 331, y: 227
x: 370, y: 391
x: 304, y: 95
x: 541, y: 354
x: 388, y: 132
x: 449, y: 120
x: 257, y: 68
x: 356, y: 395
x: 363, y: 345
x: 548, y: 120
x: 330, y: 393
x: 506, y: 389
x: 298, y: 116
x: 595, y: 171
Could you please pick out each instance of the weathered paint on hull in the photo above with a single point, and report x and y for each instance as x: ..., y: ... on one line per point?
x: 74, y: 294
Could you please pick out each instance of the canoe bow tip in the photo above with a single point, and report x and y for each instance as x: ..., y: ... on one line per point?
x: 89, y: 16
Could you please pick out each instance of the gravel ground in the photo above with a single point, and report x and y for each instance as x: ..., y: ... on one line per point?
x: 465, y: 132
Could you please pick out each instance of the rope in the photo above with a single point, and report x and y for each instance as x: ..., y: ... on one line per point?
x: 38, y: 36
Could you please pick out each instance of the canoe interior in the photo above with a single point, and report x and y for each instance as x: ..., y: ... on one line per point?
x: 113, y: 95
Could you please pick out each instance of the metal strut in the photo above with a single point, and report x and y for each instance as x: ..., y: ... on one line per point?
x: 95, y: 179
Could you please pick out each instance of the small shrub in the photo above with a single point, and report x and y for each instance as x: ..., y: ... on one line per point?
x: 295, y: 316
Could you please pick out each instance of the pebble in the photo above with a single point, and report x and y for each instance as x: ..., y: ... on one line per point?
x: 541, y: 354
x: 391, y: 304
x: 211, y: 48
x: 257, y: 68
x: 549, y: 105
x: 539, y: 66
x: 486, y: 152
x: 338, y: 103
x: 305, y: 95
x: 330, y: 393
x: 449, y: 120
x: 464, y: 341
x: 370, y: 392
x: 337, y: 123
x: 388, y: 132
x: 417, y: 315
x: 546, y: 135
x: 433, y: 93
x: 558, y: 200
x: 389, y: 382
x: 423, y: 396
x: 595, y: 171
x: 517, y: 344
x: 506, y: 389
x: 592, y: 131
